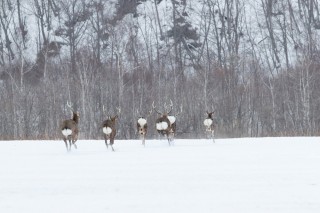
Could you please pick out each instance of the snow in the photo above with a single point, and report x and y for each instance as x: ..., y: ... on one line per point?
x: 232, y: 175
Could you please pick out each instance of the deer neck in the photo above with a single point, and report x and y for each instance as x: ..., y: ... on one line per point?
x: 75, y: 118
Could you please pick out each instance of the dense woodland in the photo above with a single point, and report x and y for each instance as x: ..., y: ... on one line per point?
x: 255, y: 63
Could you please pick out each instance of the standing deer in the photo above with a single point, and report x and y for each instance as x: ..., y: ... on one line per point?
x: 109, y: 130
x: 166, y: 124
x: 208, y: 122
x: 70, y: 130
x: 142, y: 127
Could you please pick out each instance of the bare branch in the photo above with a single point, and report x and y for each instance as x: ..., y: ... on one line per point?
x: 155, y: 109
x: 69, y: 105
x: 171, y: 107
x: 118, y: 111
x: 150, y: 112
x: 179, y: 110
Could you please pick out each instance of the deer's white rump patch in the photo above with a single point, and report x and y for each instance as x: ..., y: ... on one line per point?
x: 66, y: 132
x: 142, y: 121
x: 162, y: 125
x: 172, y: 119
x: 207, y: 122
x: 107, y: 130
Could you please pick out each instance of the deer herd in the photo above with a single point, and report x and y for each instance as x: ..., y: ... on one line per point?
x: 165, y: 125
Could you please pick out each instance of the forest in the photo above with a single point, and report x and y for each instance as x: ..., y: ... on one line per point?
x: 255, y: 63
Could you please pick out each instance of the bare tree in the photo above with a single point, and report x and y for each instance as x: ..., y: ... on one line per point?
x: 74, y: 15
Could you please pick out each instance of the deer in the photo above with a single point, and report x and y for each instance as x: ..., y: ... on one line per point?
x: 142, y: 127
x: 166, y: 124
x: 208, y: 123
x: 109, y: 129
x: 70, y: 130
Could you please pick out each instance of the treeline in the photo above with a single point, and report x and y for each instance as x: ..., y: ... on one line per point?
x: 256, y: 63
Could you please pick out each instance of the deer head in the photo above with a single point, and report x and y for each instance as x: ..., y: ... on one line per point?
x: 210, y: 115
x: 70, y: 130
x: 208, y: 122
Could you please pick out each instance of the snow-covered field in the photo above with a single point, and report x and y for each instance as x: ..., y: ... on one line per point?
x: 278, y: 175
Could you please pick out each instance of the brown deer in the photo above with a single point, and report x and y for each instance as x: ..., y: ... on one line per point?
x: 166, y: 124
x: 109, y: 130
x: 70, y: 130
x: 208, y: 123
x: 142, y: 127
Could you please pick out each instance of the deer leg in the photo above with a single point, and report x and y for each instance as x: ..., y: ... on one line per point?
x: 65, y: 142
x: 74, y: 144
x: 143, y: 141
x: 212, y: 136
x: 70, y: 143
x: 207, y: 133
x: 111, y: 144
x: 74, y: 140
x: 106, y: 141
x: 169, y: 141
x: 171, y: 137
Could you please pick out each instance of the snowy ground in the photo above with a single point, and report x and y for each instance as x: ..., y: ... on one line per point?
x: 278, y: 175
